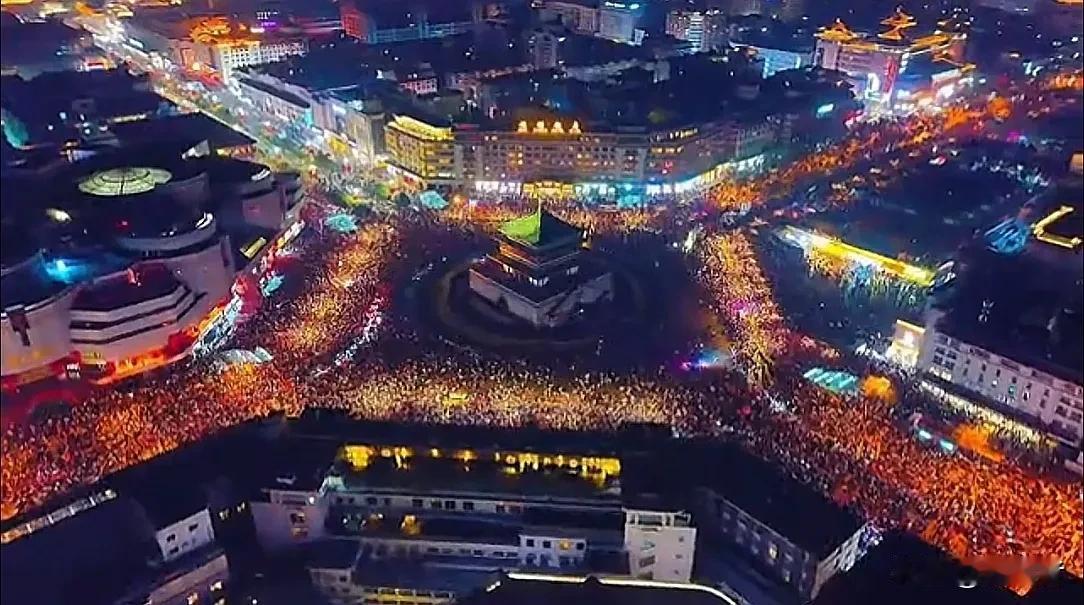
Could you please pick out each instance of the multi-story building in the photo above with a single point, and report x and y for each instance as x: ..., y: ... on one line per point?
x: 1045, y: 394
x: 620, y: 21
x: 382, y: 21
x: 706, y: 29
x: 543, y: 48
x: 548, y: 156
x: 421, y: 151
x: 101, y: 288
x: 874, y: 62
x: 658, y: 545
x: 394, y: 514
x: 756, y: 516
x: 289, y: 103
x: 58, y: 107
x: 776, y: 47
x: 581, y: 16
x: 163, y: 533
x: 448, y: 518
x: 31, y: 48
x: 1000, y: 351
x: 214, y: 43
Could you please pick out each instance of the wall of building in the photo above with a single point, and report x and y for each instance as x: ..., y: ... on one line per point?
x: 205, y: 583
x: 552, y: 549
x: 117, y: 334
x: 581, y: 19
x: 840, y: 560
x: 1055, y: 403
x: 660, y: 545
x: 45, y: 337
x: 288, y: 518
x: 184, y: 536
x: 791, y: 564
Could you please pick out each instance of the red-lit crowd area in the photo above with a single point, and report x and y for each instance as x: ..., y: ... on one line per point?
x: 849, y: 448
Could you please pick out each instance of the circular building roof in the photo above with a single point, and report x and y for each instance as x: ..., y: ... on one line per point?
x: 124, y: 181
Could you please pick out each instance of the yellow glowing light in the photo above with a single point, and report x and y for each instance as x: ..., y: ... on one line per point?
x: 1039, y: 229
x: 421, y: 130
x: 833, y: 247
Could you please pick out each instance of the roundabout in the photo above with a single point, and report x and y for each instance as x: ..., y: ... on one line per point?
x: 619, y: 316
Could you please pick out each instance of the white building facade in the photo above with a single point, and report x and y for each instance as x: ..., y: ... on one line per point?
x: 1047, y: 400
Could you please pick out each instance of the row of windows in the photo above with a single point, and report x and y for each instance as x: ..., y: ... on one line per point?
x: 561, y: 544
x: 434, y: 504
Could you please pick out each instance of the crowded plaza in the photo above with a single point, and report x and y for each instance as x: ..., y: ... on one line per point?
x: 338, y: 284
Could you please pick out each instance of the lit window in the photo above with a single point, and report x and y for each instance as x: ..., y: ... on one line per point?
x: 217, y: 585
x: 773, y: 552
x: 193, y: 599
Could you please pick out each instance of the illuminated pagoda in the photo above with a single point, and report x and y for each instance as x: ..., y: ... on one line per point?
x: 540, y: 271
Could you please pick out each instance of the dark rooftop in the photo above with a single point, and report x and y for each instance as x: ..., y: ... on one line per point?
x: 27, y: 287
x: 462, y: 574
x: 427, y: 475
x: 1038, y: 321
x: 141, y: 283
x: 758, y: 487
x: 440, y: 528
x: 295, y: 463
x: 393, y: 14
x: 194, y: 127
x: 331, y: 554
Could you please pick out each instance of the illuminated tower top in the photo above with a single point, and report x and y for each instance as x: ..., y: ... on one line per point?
x: 837, y: 32
x: 897, y: 23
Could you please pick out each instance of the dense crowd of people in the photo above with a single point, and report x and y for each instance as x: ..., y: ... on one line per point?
x: 848, y: 447
x: 740, y: 292
x: 967, y: 504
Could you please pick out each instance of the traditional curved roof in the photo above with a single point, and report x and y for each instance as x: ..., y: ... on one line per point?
x: 538, y: 229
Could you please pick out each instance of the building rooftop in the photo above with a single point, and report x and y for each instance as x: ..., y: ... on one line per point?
x: 435, y: 476
x: 393, y: 14
x: 541, y: 589
x: 760, y: 32
x: 760, y: 488
x: 193, y: 127
x: 331, y: 554
x: 28, y: 285
x: 540, y: 229
x: 49, y: 100
x: 140, y: 283
x: 295, y: 463
x: 441, y: 529
x: 1039, y: 321
x: 39, y: 42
